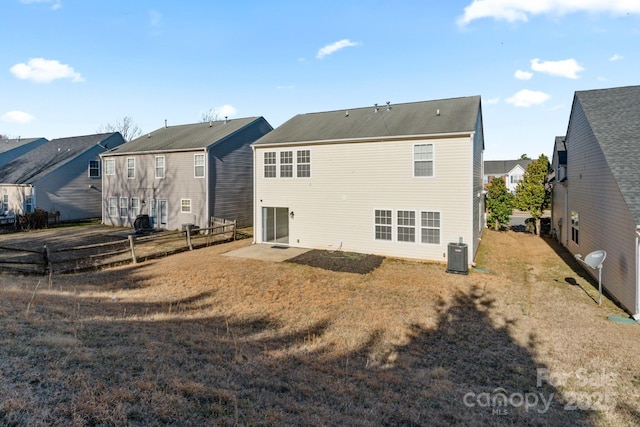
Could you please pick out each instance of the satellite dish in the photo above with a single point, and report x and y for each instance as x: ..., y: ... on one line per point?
x: 595, y: 259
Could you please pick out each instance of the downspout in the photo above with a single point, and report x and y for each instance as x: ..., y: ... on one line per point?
x: 636, y: 315
x: 207, y: 214
x: 255, y: 195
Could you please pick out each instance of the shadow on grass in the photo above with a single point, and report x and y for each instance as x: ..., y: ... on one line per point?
x: 218, y: 371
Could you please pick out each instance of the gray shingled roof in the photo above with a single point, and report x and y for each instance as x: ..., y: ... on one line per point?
x: 614, y: 117
x: 184, y: 137
x: 51, y: 155
x: 416, y: 118
x: 501, y: 167
x: 10, y: 144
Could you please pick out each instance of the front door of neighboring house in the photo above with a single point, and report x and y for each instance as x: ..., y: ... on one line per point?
x: 275, y: 225
x: 163, y: 212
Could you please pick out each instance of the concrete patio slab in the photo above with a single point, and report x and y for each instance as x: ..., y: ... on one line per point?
x: 267, y: 252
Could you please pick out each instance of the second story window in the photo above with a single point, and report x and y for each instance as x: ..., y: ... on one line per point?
x: 423, y: 160
x: 110, y: 167
x: 304, y: 163
x: 286, y: 164
x: 198, y: 164
x: 270, y: 164
x: 94, y: 168
x: 159, y: 166
x: 131, y: 168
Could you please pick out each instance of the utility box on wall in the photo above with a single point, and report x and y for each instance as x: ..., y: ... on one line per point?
x: 457, y: 258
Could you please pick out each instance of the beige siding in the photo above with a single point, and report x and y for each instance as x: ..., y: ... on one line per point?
x: 335, y: 207
x: 179, y: 183
x: 605, y: 221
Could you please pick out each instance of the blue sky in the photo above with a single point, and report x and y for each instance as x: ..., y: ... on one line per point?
x: 69, y: 67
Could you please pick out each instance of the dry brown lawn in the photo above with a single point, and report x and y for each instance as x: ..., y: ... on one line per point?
x: 204, y: 339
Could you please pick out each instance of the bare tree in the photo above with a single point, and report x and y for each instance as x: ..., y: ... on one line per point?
x: 127, y: 128
x: 210, y: 115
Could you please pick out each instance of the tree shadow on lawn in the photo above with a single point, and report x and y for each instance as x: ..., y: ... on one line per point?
x: 216, y: 371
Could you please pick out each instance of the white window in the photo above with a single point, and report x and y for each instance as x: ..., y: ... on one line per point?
x: 113, y: 206
x: 383, y: 224
x: 5, y: 203
x: 185, y: 205
x: 575, y: 227
x: 286, y: 164
x: 159, y: 167
x: 270, y: 164
x: 423, y: 160
x: 198, y: 164
x: 124, y: 207
x: 135, y: 207
x: 430, y: 227
x: 28, y: 203
x: 406, y: 226
x: 516, y: 179
x: 110, y: 167
x: 94, y: 168
x: 131, y: 168
x: 304, y: 163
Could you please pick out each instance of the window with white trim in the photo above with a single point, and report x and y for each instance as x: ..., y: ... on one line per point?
x: 303, y: 167
x: 430, y: 227
x: 185, y: 205
x: 286, y: 164
x: 5, y: 203
x: 406, y: 226
x: 28, y: 203
x: 575, y: 227
x: 198, y: 165
x: 94, y: 168
x: 160, y: 167
x: 423, y: 160
x: 124, y: 207
x: 131, y: 168
x: 383, y: 224
x: 135, y: 207
x: 113, y: 206
x: 270, y: 164
x: 110, y: 166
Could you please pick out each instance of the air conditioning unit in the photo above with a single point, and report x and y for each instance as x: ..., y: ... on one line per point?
x: 457, y: 258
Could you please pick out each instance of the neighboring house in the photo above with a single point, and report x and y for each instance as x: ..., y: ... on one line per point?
x: 399, y: 180
x: 512, y: 171
x: 558, y: 181
x: 597, y: 206
x: 62, y: 175
x: 10, y: 149
x: 183, y: 174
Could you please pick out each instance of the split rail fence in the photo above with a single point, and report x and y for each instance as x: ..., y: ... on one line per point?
x: 136, y: 248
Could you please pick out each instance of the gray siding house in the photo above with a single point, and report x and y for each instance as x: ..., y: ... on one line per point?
x: 10, y: 149
x: 597, y: 201
x: 62, y: 175
x: 401, y: 180
x: 183, y: 174
x: 511, y: 171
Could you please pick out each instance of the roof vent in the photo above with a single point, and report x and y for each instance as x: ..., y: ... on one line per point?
x: 346, y: 113
x: 165, y: 123
x: 210, y: 123
x: 149, y: 136
x: 437, y: 112
x: 375, y: 108
x: 225, y: 119
x: 388, y: 105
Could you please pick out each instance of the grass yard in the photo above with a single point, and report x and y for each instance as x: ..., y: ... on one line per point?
x: 204, y: 339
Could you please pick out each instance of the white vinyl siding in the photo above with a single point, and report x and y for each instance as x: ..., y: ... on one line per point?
x: 110, y: 167
x: 131, y: 168
x: 198, y: 165
x: 160, y: 165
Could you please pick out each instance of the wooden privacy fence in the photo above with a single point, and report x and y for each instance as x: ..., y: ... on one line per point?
x: 134, y: 249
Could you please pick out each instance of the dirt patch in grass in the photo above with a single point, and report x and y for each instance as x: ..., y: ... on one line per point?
x: 199, y: 338
x: 345, y: 262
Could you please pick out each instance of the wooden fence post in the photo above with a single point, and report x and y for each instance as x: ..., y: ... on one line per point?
x: 235, y: 227
x: 188, y: 230
x: 133, y: 251
x: 48, y: 264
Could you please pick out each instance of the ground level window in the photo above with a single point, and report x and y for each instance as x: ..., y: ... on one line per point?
x: 575, y: 227
x: 135, y: 207
x: 430, y: 227
x: 124, y: 207
x: 113, y: 206
x: 406, y: 226
x: 383, y: 224
x: 185, y: 206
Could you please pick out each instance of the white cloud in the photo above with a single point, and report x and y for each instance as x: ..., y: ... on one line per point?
x: 331, y: 48
x: 568, y: 68
x: 491, y: 101
x: 521, y: 10
x: 57, y: 4
x: 226, y: 110
x: 42, y: 70
x: 523, y: 75
x: 19, y: 117
x: 527, y: 98
x: 616, y: 57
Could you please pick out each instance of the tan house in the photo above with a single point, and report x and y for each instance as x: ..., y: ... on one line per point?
x: 399, y: 180
x: 183, y: 174
x: 596, y: 187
